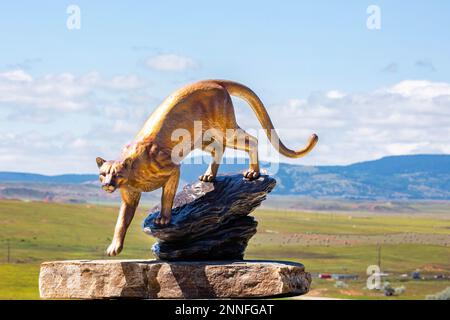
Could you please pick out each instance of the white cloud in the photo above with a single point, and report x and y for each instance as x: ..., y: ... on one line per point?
x: 16, y: 75
x: 81, y: 143
x: 126, y: 82
x: 61, y: 152
x: 60, y: 122
x: 405, y: 148
x: 335, y: 94
x: 171, y: 62
x: 421, y: 89
x: 63, y: 92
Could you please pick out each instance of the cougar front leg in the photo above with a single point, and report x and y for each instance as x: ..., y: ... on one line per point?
x: 130, y: 201
x: 168, y: 194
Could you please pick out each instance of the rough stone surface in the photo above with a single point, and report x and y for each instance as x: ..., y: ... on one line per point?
x: 210, y: 219
x: 153, y: 279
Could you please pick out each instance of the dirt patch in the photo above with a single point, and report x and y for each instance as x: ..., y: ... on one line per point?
x: 433, y: 268
x: 317, y: 292
x: 353, y: 293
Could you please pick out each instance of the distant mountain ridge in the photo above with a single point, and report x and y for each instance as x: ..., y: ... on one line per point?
x: 40, y: 178
x: 394, y: 177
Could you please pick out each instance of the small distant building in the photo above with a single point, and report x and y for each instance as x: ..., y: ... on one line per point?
x: 345, y: 276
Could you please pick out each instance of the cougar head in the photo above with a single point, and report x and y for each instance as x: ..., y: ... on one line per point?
x: 113, y: 174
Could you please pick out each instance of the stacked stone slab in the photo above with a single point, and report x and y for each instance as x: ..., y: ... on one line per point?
x: 210, y: 221
x: 111, y: 279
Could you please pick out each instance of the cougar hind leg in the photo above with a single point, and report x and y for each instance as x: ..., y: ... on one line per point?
x: 216, y: 149
x: 241, y: 140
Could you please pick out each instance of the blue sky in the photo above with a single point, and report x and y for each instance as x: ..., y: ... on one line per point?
x: 300, y: 57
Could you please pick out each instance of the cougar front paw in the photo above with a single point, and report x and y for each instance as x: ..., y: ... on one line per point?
x: 251, y: 174
x: 162, y: 220
x: 114, y: 248
x: 206, y: 178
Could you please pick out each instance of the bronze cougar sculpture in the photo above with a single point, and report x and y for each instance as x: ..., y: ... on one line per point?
x: 147, y: 163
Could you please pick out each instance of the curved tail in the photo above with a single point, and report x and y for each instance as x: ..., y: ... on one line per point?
x: 241, y: 91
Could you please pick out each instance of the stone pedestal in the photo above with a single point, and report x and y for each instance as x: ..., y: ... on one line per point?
x: 153, y: 279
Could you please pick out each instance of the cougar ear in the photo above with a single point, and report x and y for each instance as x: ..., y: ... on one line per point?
x: 127, y: 163
x: 100, y: 161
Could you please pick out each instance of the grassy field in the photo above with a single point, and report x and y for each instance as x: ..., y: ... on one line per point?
x: 324, y: 242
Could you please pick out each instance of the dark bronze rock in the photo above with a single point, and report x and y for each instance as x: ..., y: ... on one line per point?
x: 210, y: 219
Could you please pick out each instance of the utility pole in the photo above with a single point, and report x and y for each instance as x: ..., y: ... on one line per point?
x: 8, y: 248
x: 379, y: 256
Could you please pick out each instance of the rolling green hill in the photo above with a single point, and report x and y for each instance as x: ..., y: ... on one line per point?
x: 392, y: 178
x: 324, y: 242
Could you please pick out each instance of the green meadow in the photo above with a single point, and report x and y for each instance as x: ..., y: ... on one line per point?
x: 325, y: 242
